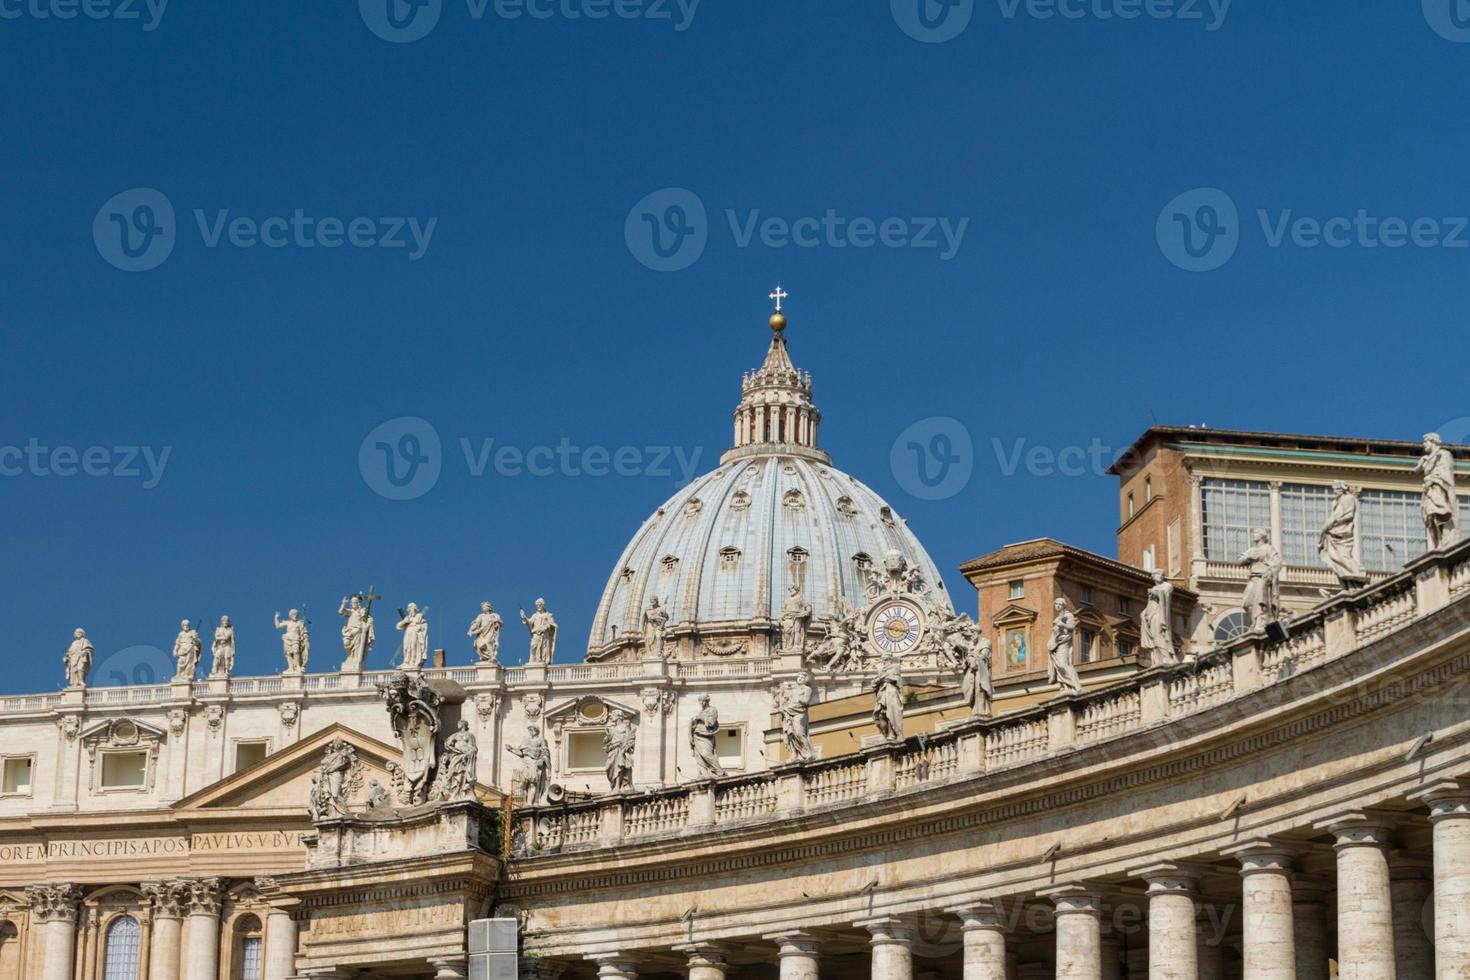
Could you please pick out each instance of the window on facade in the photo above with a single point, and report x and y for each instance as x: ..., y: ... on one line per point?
x: 1132, y: 507
x: 124, y: 770
x: 17, y: 777
x: 1229, y: 509
x: 1148, y: 489
x: 1125, y: 649
x: 1304, y: 511
x: 248, y: 754
x: 1230, y: 627
x: 730, y: 747
x: 585, y: 750
x: 1084, y: 594
x: 1123, y: 608
x: 120, y: 953
x: 249, y: 947
x: 1392, y: 529
x: 1086, y: 646
x: 1018, y: 590
x: 1150, y: 558
x: 1465, y: 516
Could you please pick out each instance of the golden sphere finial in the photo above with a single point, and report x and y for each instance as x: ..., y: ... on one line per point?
x: 778, y: 322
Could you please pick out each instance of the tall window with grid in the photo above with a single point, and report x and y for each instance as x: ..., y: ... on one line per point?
x: 1229, y: 509
x: 1304, y: 511
x: 1392, y: 529
x: 120, y: 952
x: 250, y: 957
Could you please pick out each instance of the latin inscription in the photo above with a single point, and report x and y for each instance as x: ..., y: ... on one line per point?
x: 132, y: 847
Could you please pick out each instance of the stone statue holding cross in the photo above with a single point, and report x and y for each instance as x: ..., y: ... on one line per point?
x: 358, y: 633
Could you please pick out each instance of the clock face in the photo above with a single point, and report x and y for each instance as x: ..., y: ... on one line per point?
x: 896, y: 628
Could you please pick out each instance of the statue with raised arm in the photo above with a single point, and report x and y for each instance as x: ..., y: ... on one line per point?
x: 655, y: 626
x: 333, y: 782
x: 358, y: 632
x: 793, y: 699
x: 187, y: 650
x: 534, y: 773
x: 542, y: 626
x: 796, y: 616
x: 619, y: 740
x: 1337, y: 544
x: 887, y: 688
x: 486, y: 632
x: 1157, y: 638
x: 415, y: 628
x: 1439, y: 504
x: 1059, y: 667
x: 1262, y: 599
x: 295, y: 641
x: 222, y: 650
x: 975, y: 673
x: 702, y: 731
x: 78, y: 659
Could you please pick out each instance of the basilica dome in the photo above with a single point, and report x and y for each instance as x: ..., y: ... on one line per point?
x: 722, y: 553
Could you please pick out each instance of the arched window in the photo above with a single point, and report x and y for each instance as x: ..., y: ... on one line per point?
x: 9, y: 952
x: 249, y: 948
x: 1230, y: 627
x: 120, y: 954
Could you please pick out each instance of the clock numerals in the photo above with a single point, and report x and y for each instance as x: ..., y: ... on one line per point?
x: 896, y: 629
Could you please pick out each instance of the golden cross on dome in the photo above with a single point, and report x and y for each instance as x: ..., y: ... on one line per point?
x: 778, y: 296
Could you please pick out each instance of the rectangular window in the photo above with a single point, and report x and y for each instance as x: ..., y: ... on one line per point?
x: 1465, y: 517
x: 1084, y: 594
x: 250, y: 961
x: 730, y: 747
x: 1123, y: 606
x: 248, y: 754
x: 1132, y: 508
x: 1150, y: 558
x: 1229, y: 509
x: 1086, y: 646
x: 1125, y: 649
x: 1148, y: 489
x: 124, y: 770
x: 1018, y: 590
x: 1392, y: 529
x: 585, y: 751
x: 17, y: 778
x: 1304, y: 512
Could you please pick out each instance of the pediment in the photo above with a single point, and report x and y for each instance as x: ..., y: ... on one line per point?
x: 1089, y: 616
x: 1013, y: 615
x: 588, y: 710
x: 122, y: 733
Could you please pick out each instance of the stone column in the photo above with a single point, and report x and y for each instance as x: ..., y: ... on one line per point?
x: 54, y: 909
x: 450, y: 969
x: 985, y: 941
x: 1079, y: 934
x: 1171, y: 937
x: 1268, y: 938
x: 202, y: 957
x: 614, y: 966
x: 798, y: 955
x: 1449, y: 813
x: 280, y: 945
x: 167, y: 898
x: 1364, y: 906
x: 1309, y: 927
x: 706, y: 960
x: 892, y: 939
x: 1410, y: 887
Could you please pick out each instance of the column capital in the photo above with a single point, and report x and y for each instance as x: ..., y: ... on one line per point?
x: 702, y: 954
x: 979, y: 914
x: 54, y: 903
x: 1074, y: 899
x: 167, y: 898
x: 202, y: 896
x: 614, y: 966
x: 1447, y: 799
x: 794, y: 943
x: 1359, y: 828
x: 888, y: 929
x: 1169, y: 877
x: 1262, y: 855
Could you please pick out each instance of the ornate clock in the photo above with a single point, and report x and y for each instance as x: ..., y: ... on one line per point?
x: 896, y: 627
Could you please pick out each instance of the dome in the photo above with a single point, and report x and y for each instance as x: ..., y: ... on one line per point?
x: 724, y: 550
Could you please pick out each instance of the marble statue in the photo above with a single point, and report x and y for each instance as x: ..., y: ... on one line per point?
x: 1157, y: 637
x: 377, y: 797
x: 1337, y: 544
x: 796, y: 616
x: 1439, y: 504
x: 542, y: 626
x: 793, y: 699
x: 358, y: 632
x: 1262, y: 599
x: 894, y: 574
x: 334, y: 781
x: 975, y: 675
x: 222, y: 650
x: 887, y: 688
x: 655, y: 629
x: 842, y: 648
x: 295, y: 641
x: 414, y: 714
x: 951, y: 638
x: 415, y: 628
x: 619, y: 739
x: 1059, y: 667
x: 486, y: 631
x: 534, y: 773
x: 457, y: 767
x: 702, y: 730
x: 187, y: 650
x: 78, y: 659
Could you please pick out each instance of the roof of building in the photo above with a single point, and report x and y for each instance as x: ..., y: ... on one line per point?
x: 1041, y: 548
x: 1356, y: 445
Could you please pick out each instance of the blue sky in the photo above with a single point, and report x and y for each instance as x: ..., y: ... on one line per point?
x: 1060, y: 152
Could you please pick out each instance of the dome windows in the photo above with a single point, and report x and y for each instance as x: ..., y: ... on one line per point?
x: 793, y: 500
x: 740, y: 501
x: 729, y: 556
x: 846, y: 507
x: 693, y: 507
x: 670, y: 564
